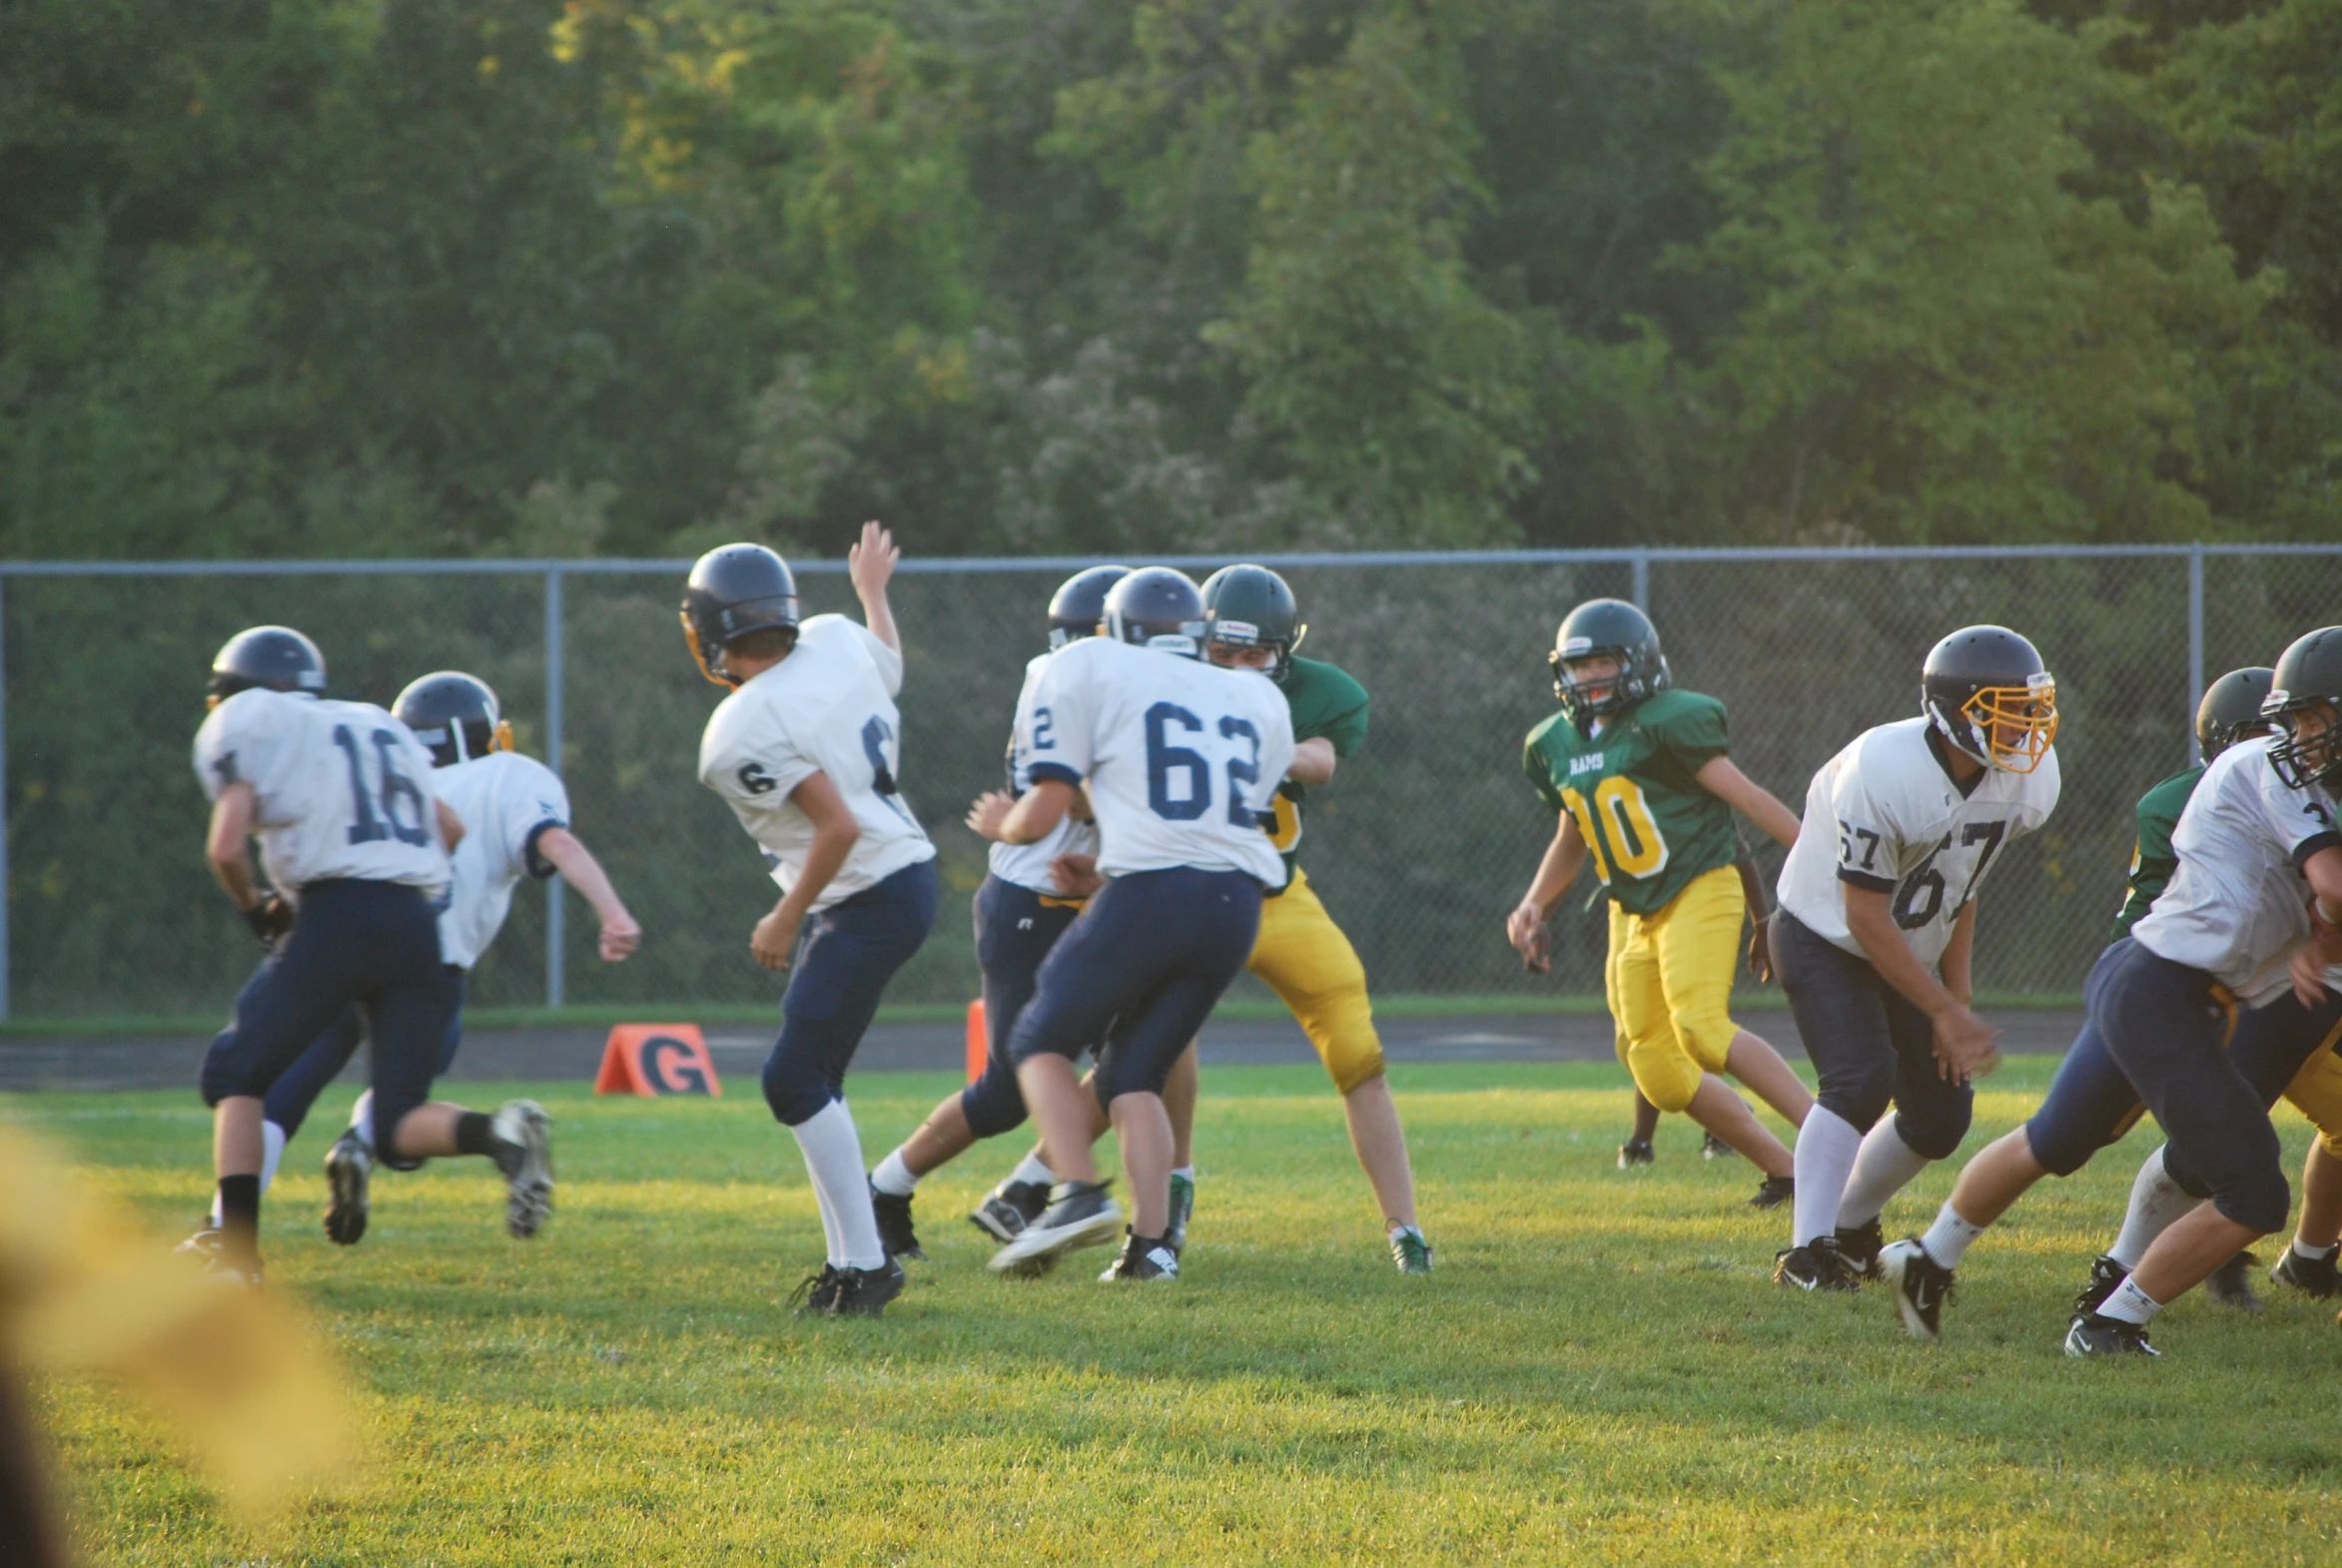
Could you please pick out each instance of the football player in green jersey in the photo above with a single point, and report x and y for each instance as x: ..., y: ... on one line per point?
x: 1252, y: 622
x: 1637, y: 775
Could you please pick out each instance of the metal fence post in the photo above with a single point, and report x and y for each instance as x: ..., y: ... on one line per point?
x: 556, y: 977
x: 1643, y: 581
x: 2195, y: 645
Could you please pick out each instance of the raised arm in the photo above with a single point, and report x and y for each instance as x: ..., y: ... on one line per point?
x: 871, y: 564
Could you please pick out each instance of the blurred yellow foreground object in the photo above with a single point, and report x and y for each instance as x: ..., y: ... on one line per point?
x: 234, y: 1371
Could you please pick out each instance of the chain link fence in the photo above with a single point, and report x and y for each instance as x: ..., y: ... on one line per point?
x: 1419, y: 847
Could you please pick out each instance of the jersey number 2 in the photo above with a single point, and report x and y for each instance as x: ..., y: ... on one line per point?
x: 397, y: 789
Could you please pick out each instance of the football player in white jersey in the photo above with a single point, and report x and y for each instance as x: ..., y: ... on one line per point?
x: 805, y: 752
x: 517, y: 817
x: 2251, y: 911
x: 355, y: 843
x: 1178, y: 758
x: 1876, y: 926
x: 1019, y: 912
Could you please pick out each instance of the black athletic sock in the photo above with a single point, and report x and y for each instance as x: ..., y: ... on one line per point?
x: 239, y: 1208
x: 475, y: 1134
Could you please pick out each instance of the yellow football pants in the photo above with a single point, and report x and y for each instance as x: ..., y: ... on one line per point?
x: 2316, y: 1092
x: 1670, y: 981
x: 1314, y: 970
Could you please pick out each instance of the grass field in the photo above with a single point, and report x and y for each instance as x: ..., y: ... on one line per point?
x: 1599, y: 1371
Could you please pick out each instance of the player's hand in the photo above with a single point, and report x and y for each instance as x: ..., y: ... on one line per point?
x: 1526, y: 930
x: 990, y: 811
x: 871, y: 562
x: 774, y: 938
x: 1076, y: 875
x: 2307, y: 965
x: 1966, y: 1046
x: 621, y: 937
x: 269, y: 919
x: 1761, y: 952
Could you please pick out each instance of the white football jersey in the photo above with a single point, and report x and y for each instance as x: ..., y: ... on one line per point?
x: 342, y: 789
x: 1182, y: 757
x: 1884, y: 815
x: 506, y: 801
x: 829, y: 707
x: 2238, y: 905
x: 1026, y: 865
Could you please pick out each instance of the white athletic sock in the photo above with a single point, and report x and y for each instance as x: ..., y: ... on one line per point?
x: 893, y: 1176
x: 1826, y: 1149
x: 362, y: 1117
x: 1034, y: 1171
x: 833, y: 1159
x: 2313, y: 1254
x: 1884, y: 1166
x: 2155, y: 1203
x: 1188, y: 1173
x: 2131, y: 1304
x: 1948, y: 1239
x: 273, y: 1140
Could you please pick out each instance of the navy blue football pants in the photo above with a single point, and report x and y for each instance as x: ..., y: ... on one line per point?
x: 373, y: 945
x: 1870, y: 1043
x: 2092, y: 1105
x: 1140, y: 968
x: 2168, y: 1027
x: 297, y: 1088
x: 847, y: 953
x: 1014, y: 930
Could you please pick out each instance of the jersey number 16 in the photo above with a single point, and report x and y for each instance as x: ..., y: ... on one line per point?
x: 396, y: 791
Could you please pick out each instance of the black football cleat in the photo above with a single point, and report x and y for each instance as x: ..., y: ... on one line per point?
x: 1814, y: 1266
x: 1861, y: 1247
x: 2317, y: 1276
x: 1636, y: 1152
x: 816, y: 1295
x: 1080, y: 1213
x: 1009, y: 1208
x: 1183, y: 1208
x: 865, y: 1292
x: 1717, y: 1148
x: 893, y: 1212
x: 1921, y: 1284
x: 1774, y: 1191
x: 2230, y: 1285
x: 2106, y: 1274
x: 2091, y: 1334
x: 1143, y: 1258
x: 347, y: 1166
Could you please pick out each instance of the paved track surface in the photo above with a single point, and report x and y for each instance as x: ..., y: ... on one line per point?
x: 36, y: 1063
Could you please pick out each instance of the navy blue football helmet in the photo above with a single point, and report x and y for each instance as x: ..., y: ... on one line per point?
x: 274, y: 658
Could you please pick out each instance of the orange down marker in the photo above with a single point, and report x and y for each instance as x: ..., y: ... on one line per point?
x: 656, y: 1058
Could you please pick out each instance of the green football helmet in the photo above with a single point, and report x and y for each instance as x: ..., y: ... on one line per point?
x: 2308, y: 677
x: 2232, y: 710
x: 1615, y: 628
x: 1251, y: 608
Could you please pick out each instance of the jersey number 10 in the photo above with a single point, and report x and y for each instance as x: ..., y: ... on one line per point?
x: 396, y: 790
x: 1629, y: 838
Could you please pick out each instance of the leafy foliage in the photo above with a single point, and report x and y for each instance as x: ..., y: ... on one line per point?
x: 394, y: 277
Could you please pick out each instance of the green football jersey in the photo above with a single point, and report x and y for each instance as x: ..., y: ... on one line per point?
x: 1634, y: 792
x: 2153, y: 860
x: 1325, y: 702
